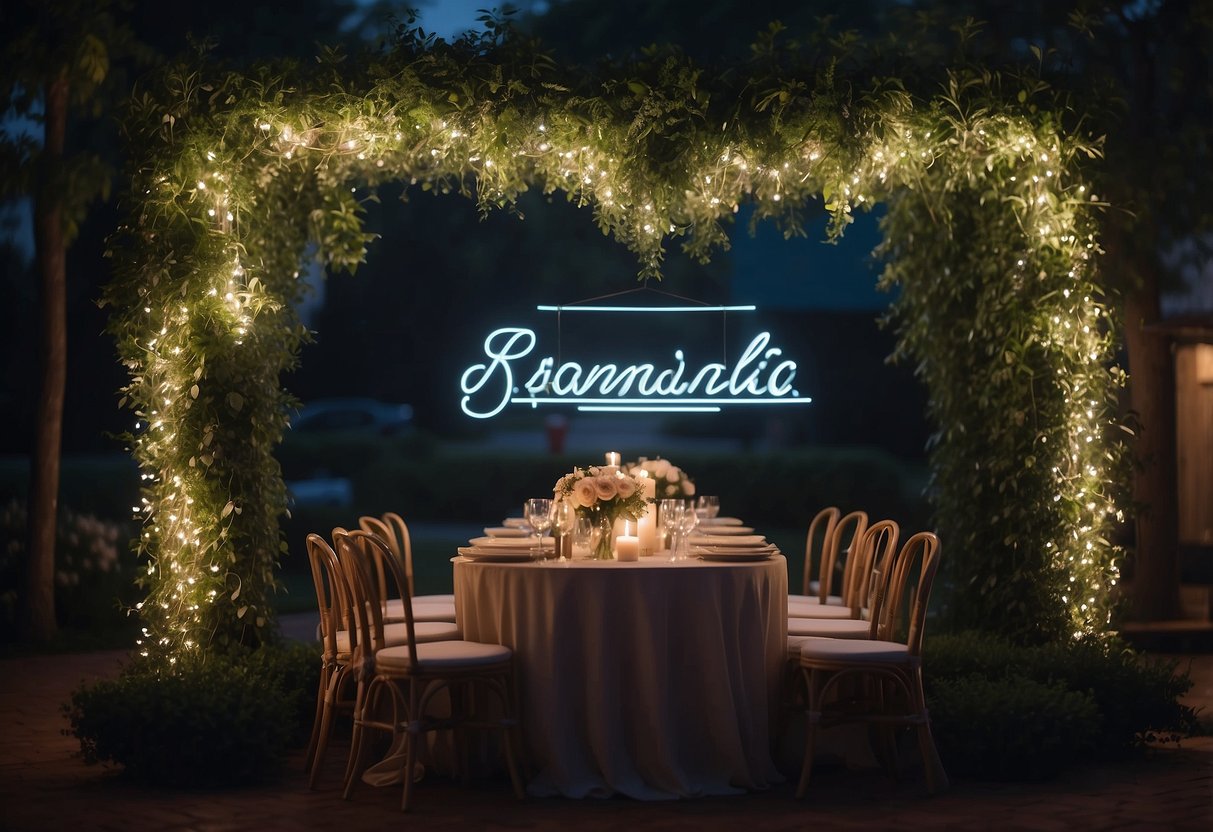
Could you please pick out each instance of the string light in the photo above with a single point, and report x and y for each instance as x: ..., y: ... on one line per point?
x: 229, y: 288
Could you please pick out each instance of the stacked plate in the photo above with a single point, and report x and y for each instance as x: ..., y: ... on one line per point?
x: 722, y: 521
x: 502, y: 548
x: 507, y: 531
x: 731, y: 547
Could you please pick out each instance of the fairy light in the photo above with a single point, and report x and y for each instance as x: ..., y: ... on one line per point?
x: 234, y: 289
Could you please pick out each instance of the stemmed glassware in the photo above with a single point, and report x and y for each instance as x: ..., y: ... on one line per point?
x: 539, y: 515
x: 687, y: 522
x: 564, y: 520
x: 671, y: 519
x: 707, y: 507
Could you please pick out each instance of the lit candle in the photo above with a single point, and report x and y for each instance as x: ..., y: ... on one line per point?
x: 627, y: 545
x: 647, y: 524
x: 613, y: 459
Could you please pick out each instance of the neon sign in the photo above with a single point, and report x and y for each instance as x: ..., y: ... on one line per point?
x: 760, y: 375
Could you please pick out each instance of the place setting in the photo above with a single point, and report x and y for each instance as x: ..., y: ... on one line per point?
x: 730, y: 547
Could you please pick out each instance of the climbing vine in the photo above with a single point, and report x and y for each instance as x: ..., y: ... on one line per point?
x: 990, y: 234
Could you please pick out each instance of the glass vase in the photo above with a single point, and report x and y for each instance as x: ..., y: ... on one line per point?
x: 604, y: 537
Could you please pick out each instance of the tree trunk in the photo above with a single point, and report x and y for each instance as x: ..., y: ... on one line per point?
x: 1155, y: 586
x: 38, y: 619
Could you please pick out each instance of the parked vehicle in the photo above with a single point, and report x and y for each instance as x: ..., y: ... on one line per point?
x: 353, y: 415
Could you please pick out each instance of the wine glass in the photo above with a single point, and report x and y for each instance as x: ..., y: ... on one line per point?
x: 707, y: 507
x: 583, y: 536
x: 564, y: 519
x: 687, y: 522
x: 539, y: 515
x: 671, y: 517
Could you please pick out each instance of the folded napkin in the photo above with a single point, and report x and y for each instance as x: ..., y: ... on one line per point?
x: 743, y: 540
x: 721, y: 521
x: 509, y: 542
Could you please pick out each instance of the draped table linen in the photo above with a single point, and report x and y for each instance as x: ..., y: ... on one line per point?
x: 654, y: 679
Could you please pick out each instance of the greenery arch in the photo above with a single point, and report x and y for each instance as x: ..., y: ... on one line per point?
x: 990, y: 233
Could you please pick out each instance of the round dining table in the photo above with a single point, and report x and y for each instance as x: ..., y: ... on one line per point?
x: 654, y: 679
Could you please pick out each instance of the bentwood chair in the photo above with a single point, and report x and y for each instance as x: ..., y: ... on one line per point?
x: 845, y: 538
x: 392, y: 529
x: 336, y: 615
x: 411, y: 675
x: 888, y: 667
x: 339, y: 644
x: 875, y: 553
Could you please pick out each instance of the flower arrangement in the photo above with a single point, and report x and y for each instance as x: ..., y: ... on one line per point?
x: 672, y: 482
x: 604, y: 495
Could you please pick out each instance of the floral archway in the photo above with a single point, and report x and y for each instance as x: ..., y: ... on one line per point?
x: 989, y: 234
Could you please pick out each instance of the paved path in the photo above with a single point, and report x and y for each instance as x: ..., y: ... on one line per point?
x: 42, y: 786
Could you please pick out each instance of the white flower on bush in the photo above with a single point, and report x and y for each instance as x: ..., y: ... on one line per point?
x: 625, y: 486
x: 688, y: 488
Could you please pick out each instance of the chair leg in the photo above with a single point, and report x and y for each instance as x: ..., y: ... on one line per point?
x: 321, y: 689
x: 331, y: 695
x: 937, y: 778
x: 412, y: 736
x: 354, y: 768
x: 812, y: 724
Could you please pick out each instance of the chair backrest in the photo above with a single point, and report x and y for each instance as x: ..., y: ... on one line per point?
x: 875, y: 555
x: 363, y: 556
x: 392, y: 529
x: 402, y: 545
x: 849, y: 531
x: 332, y: 593
x: 821, y: 528
x: 381, y: 530
x: 919, y: 557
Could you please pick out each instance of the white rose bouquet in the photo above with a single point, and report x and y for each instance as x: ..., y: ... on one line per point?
x: 604, y: 496
x: 672, y: 482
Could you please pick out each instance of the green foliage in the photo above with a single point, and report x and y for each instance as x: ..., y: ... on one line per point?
x: 94, y: 571
x: 990, y: 236
x: 209, y: 719
x: 1013, y: 712
x: 1009, y: 728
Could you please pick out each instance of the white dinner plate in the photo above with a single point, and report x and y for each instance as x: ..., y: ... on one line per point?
x: 722, y: 550
x: 492, y: 555
x: 744, y: 555
x: 727, y: 529
x: 510, y: 542
x: 723, y: 521
x: 506, y: 531
x: 516, y: 523
x: 750, y: 540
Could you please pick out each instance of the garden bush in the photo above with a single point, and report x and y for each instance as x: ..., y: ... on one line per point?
x: 1011, y: 728
x: 94, y: 571
x: 210, y: 719
x: 1009, y: 712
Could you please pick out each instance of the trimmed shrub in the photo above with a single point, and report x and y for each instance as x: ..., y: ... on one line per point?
x: 1011, y: 729
x: 209, y: 720
x: 1008, y: 712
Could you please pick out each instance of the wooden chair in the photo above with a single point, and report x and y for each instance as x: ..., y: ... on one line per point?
x: 875, y: 555
x: 849, y: 530
x: 414, y: 673
x: 392, y: 529
x: 888, y: 668
x: 339, y: 644
x: 336, y: 615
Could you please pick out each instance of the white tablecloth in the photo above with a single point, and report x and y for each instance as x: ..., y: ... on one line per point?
x: 653, y: 679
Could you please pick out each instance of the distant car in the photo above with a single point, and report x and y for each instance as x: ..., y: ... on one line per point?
x: 353, y: 416
x: 320, y: 491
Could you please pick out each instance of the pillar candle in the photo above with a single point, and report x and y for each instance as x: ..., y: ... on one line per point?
x: 647, y: 525
x: 627, y: 545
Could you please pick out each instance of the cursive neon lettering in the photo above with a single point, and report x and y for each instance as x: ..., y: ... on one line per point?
x: 489, y: 386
